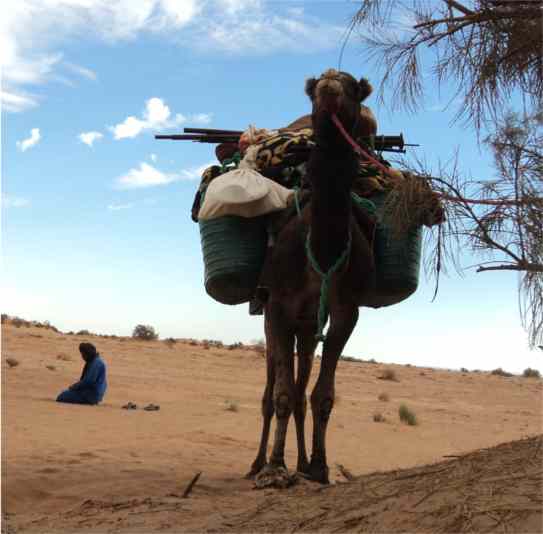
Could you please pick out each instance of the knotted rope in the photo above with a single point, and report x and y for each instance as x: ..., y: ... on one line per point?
x: 326, y: 278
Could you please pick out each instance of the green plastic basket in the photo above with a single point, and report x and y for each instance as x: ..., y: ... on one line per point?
x: 233, y: 249
x: 397, y: 262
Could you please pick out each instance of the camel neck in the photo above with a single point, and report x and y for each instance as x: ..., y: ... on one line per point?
x: 331, y: 177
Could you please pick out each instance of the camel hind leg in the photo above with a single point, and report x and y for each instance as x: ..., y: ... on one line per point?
x: 267, y: 412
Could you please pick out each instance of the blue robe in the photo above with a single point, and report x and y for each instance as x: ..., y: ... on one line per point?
x: 92, y: 386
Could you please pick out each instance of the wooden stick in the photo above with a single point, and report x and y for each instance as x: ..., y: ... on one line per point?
x: 192, y: 483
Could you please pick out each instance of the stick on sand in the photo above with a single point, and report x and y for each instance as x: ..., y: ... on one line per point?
x: 192, y: 483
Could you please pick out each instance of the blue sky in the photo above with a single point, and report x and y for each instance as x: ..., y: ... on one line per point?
x: 96, y: 231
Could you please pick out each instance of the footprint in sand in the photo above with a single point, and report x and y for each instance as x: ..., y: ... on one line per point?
x: 49, y: 470
x: 89, y: 455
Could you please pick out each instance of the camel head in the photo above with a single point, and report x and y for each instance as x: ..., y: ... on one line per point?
x: 340, y: 93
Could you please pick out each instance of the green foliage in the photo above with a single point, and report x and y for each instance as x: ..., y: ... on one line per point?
x: 531, y: 373
x: 144, y: 332
x: 407, y: 416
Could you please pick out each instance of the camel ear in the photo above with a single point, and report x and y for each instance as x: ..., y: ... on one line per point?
x: 310, y: 85
x: 365, y: 89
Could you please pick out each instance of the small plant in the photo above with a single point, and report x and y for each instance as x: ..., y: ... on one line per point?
x: 51, y: 367
x: 372, y: 360
x: 378, y: 418
x: 83, y: 333
x: 389, y: 374
x: 12, y: 362
x: 170, y: 342
x: 384, y: 397
x: 464, y: 370
x: 407, y: 416
x: 144, y: 332
x: 500, y: 372
x: 531, y: 373
x: 231, y: 406
x: 64, y: 357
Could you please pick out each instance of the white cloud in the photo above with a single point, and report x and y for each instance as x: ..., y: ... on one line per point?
x: 156, y: 115
x: 14, y: 202
x: 82, y: 71
x: 148, y: 176
x: 118, y: 207
x: 144, y: 176
x: 33, y: 140
x: 15, y: 103
x: 224, y: 26
x: 89, y: 137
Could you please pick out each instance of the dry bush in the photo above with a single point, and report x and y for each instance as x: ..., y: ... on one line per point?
x: 170, y: 342
x: 407, y: 416
x: 12, y: 362
x: 500, y: 372
x: 531, y: 373
x: 64, y: 357
x: 231, y: 406
x: 83, y: 333
x: 389, y: 374
x: 384, y: 397
x: 378, y: 418
x: 463, y: 370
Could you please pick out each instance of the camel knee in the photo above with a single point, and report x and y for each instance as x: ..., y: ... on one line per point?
x: 283, y: 405
x: 322, y: 407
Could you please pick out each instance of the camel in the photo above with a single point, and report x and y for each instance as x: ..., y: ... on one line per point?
x: 327, y: 227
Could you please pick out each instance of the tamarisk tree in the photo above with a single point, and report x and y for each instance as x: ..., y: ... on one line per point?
x: 491, y: 50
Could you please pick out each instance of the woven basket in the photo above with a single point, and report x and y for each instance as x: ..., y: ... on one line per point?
x: 233, y: 249
x: 397, y: 263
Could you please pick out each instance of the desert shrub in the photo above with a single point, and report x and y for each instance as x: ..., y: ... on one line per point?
x: 70, y: 333
x: 500, y: 372
x: 383, y: 397
x: 372, y: 360
x: 378, y: 418
x: 407, y: 416
x: 170, y: 342
x: 349, y: 359
x: 531, y: 373
x: 231, y: 406
x: 464, y: 370
x: 51, y: 367
x: 5, y: 318
x: 12, y: 362
x: 389, y: 374
x: 144, y: 332
x: 83, y: 333
x: 17, y: 322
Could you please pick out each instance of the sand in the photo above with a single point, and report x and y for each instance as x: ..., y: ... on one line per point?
x: 73, y: 468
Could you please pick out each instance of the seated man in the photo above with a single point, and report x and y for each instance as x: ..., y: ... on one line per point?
x: 91, y: 387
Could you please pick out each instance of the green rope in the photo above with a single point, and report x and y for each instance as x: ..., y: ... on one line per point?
x: 364, y: 203
x: 325, y: 283
x: 297, y: 201
x: 231, y: 163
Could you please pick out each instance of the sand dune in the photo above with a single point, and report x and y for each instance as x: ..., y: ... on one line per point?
x: 105, y: 469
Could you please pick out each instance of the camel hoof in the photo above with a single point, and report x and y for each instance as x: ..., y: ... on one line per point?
x: 318, y: 472
x: 273, y: 476
x: 255, y: 469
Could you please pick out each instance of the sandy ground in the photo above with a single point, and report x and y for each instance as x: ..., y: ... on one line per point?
x: 73, y: 468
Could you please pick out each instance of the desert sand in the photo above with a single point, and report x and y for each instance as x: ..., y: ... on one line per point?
x: 69, y: 468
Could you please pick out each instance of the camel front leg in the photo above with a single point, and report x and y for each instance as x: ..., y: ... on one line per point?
x: 306, y: 349
x: 342, y: 324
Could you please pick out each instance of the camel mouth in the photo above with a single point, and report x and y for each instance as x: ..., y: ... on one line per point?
x: 330, y: 104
